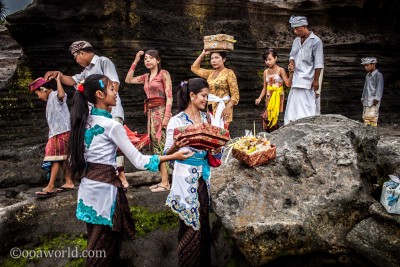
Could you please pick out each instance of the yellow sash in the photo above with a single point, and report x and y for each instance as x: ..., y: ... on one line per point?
x: 274, y: 104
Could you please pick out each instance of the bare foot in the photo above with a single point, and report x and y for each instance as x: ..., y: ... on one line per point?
x: 161, y: 188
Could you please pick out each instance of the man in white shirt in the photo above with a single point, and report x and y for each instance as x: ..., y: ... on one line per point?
x: 306, y: 62
x: 83, y: 54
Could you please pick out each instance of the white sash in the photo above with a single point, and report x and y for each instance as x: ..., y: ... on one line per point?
x: 216, y: 120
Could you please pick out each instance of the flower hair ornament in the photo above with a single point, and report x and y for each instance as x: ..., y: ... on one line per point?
x: 183, y: 83
x: 80, y: 88
x: 101, y: 84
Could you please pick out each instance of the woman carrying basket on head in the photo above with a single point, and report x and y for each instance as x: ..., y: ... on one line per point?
x: 224, y: 91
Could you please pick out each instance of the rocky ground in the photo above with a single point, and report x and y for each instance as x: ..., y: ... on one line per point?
x: 30, y: 223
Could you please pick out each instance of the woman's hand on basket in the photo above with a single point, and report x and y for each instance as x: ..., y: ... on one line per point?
x: 183, y: 154
x: 180, y: 142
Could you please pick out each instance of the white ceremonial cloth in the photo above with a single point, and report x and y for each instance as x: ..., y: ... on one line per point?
x: 301, y: 103
x: 216, y: 119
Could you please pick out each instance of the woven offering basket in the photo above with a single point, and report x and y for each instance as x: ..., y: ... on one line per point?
x: 203, y: 136
x: 219, y: 42
x: 144, y: 141
x: 256, y: 158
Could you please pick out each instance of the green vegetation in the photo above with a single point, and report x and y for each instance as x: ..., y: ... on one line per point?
x: 21, y: 262
x: 146, y: 222
x: 46, y: 244
x: 24, y: 77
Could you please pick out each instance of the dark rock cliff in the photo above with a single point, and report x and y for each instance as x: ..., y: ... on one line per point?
x: 117, y: 29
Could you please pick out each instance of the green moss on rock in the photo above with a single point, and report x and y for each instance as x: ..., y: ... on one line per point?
x: 146, y: 222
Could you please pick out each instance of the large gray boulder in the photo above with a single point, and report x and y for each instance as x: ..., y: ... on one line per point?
x: 377, y: 238
x: 308, y: 199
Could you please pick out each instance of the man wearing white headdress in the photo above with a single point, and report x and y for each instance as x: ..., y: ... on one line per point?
x: 372, y: 92
x: 306, y: 62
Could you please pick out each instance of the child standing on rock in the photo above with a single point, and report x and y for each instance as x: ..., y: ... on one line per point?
x: 372, y: 93
x: 58, y: 119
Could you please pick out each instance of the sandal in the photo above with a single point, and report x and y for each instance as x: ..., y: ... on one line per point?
x: 160, y: 188
x: 63, y: 189
x: 45, y: 194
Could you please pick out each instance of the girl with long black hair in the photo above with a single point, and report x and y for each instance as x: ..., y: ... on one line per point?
x: 94, y: 140
x: 158, y: 87
x: 190, y: 191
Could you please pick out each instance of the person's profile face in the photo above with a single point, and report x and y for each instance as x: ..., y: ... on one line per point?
x: 80, y: 58
x: 200, y: 99
x: 111, y: 96
x: 369, y: 67
x: 299, y: 31
x: 42, y: 93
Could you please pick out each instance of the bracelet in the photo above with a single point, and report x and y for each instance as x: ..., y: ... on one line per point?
x: 133, y: 66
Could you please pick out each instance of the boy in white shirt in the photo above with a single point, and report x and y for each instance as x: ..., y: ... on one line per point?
x: 58, y: 119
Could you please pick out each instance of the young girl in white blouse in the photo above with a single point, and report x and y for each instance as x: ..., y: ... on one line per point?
x: 190, y: 191
x: 94, y: 140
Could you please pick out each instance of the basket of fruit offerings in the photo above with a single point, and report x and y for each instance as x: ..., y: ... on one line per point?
x: 253, y: 151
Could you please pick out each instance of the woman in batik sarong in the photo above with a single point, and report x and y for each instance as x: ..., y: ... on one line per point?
x: 274, y: 77
x: 190, y: 192
x: 58, y: 119
x: 224, y: 91
x: 94, y: 140
x: 158, y: 88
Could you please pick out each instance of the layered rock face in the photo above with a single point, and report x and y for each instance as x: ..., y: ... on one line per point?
x: 305, y: 201
x: 117, y: 29
x: 10, y: 52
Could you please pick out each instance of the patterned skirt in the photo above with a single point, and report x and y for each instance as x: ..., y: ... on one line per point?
x: 155, y: 117
x: 103, y: 237
x: 194, y: 247
x: 56, y: 148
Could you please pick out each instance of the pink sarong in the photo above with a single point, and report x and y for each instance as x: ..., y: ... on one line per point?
x: 56, y: 148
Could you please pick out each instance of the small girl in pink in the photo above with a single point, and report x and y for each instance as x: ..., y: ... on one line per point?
x: 158, y: 88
